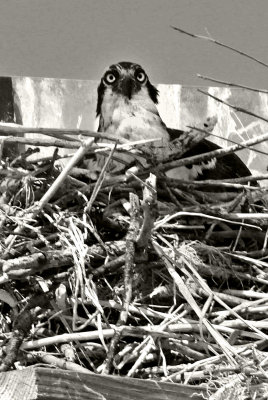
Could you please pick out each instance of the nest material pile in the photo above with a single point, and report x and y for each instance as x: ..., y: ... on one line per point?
x: 140, y: 276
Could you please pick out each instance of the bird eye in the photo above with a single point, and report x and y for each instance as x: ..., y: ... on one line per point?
x: 140, y: 76
x: 110, y: 78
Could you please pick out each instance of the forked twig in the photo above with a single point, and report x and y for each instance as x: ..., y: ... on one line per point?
x: 209, y: 39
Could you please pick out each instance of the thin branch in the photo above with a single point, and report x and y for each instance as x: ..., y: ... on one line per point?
x: 128, y: 279
x: 209, y: 39
x: 210, y: 183
x: 208, y: 78
x: 238, y: 109
x: 46, y: 142
x: 64, y: 173
x: 212, y: 154
x: 246, y: 179
x: 12, y: 129
x: 53, y: 188
x: 99, y: 182
x: 168, y: 218
x: 231, y: 141
x: 149, y: 206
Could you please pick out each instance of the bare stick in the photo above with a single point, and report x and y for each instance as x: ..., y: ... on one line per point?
x: 54, y: 187
x: 209, y: 39
x: 213, y: 183
x: 13, y: 129
x: 149, y: 208
x: 128, y: 272
x: 208, y: 78
x: 246, y: 178
x: 212, y: 154
x: 189, y: 139
x: 230, y: 141
x: 42, y: 142
x: 64, y: 173
x: 236, y: 108
x: 168, y: 218
x: 99, y: 182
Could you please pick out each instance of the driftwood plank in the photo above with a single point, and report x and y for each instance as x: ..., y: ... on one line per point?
x: 37, y: 383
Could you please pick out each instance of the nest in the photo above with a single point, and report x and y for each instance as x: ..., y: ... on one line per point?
x: 139, y: 275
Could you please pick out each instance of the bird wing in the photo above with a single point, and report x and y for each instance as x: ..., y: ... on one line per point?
x: 227, y: 167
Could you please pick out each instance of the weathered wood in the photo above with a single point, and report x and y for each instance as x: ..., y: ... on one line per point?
x: 56, y: 384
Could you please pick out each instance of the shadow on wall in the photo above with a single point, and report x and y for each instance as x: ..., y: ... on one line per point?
x: 9, y: 112
x: 62, y: 103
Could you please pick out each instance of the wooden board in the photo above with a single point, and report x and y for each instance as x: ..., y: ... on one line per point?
x: 38, y: 383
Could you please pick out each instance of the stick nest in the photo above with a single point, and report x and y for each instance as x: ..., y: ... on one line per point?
x: 141, y: 276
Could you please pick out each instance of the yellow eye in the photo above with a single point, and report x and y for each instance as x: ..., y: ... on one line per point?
x: 140, y: 76
x: 110, y: 78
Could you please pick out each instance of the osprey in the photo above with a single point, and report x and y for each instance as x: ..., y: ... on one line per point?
x: 127, y: 109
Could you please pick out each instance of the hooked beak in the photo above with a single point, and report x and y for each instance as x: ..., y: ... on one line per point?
x: 127, y: 86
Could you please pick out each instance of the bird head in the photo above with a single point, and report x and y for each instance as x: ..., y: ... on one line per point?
x: 125, y: 79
